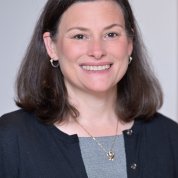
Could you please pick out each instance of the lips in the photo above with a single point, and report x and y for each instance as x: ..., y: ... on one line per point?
x: 96, y: 68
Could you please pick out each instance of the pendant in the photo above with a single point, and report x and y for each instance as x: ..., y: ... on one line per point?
x: 110, y: 155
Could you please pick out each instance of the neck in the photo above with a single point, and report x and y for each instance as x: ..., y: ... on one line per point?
x: 94, y: 107
x: 97, y: 114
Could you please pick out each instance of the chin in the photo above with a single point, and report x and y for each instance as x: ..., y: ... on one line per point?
x: 101, y: 90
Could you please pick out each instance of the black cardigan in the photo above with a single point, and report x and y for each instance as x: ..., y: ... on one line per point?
x: 31, y: 149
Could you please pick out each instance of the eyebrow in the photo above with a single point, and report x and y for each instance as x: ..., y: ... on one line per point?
x: 86, y: 29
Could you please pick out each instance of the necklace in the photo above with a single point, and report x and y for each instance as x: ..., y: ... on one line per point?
x: 110, y: 154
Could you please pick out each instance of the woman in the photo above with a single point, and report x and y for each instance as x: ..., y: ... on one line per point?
x: 89, y: 100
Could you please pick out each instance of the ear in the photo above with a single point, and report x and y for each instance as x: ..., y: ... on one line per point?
x: 50, y: 46
x: 130, y: 49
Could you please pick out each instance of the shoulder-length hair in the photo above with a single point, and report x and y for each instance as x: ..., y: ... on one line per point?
x: 41, y: 89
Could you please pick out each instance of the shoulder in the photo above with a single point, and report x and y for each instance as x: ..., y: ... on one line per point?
x: 17, y: 122
x: 167, y: 126
x: 15, y: 118
x: 159, y: 122
x: 159, y: 128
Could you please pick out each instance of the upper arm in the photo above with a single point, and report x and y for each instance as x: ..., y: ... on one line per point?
x: 9, y: 155
x: 173, y: 137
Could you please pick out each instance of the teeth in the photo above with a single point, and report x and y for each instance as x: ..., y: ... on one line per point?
x: 96, y: 68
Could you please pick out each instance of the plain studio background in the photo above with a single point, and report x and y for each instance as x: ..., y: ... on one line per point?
x: 158, y: 21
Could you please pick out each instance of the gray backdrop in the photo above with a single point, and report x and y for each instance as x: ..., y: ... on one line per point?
x: 157, y: 20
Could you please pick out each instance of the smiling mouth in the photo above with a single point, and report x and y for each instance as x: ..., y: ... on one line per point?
x: 96, y: 68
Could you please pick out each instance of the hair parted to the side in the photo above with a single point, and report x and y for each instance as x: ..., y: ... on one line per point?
x: 41, y: 88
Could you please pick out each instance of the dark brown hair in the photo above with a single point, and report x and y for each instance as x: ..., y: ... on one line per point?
x: 41, y: 89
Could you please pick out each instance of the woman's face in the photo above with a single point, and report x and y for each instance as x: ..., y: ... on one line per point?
x: 92, y: 46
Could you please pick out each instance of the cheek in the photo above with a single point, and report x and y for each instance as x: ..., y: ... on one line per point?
x: 71, y: 51
x: 120, y: 49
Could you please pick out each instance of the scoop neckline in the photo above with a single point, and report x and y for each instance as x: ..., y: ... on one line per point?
x: 75, y: 138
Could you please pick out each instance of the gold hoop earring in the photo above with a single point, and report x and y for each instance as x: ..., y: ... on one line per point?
x: 54, y: 63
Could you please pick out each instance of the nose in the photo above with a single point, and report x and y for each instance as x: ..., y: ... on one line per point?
x: 96, y: 49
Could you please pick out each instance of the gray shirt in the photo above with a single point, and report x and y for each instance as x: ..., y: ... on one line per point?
x: 96, y: 162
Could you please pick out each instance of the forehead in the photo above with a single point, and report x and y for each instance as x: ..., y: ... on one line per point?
x: 93, y: 13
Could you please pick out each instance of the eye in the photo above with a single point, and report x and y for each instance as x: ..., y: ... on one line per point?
x: 79, y: 37
x: 111, y: 35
